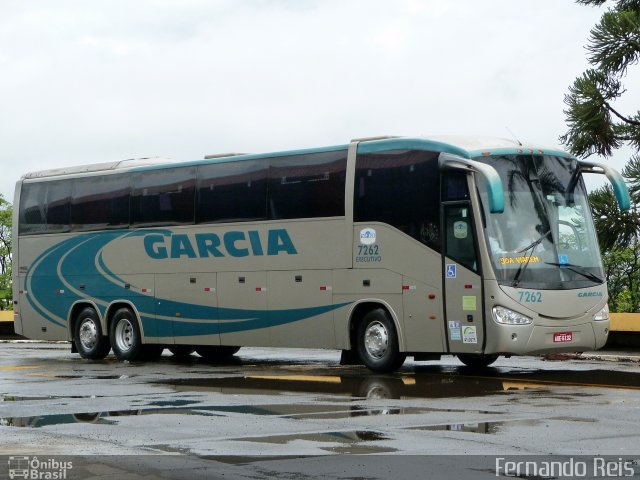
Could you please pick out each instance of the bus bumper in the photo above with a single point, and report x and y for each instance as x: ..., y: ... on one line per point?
x: 540, y: 339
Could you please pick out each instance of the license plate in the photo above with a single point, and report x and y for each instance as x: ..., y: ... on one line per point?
x: 562, y: 337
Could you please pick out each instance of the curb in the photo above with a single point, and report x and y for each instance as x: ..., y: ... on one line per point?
x: 601, y: 357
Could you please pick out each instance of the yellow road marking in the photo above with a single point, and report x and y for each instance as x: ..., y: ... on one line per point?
x: 300, y: 378
x: 540, y: 383
x: 20, y: 367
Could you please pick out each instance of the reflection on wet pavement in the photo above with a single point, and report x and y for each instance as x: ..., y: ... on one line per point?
x: 266, y: 407
x: 355, y: 442
x: 480, y: 427
x: 293, y: 411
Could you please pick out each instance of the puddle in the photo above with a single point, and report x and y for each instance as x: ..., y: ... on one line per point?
x: 334, y: 412
x: 48, y: 420
x: 189, y: 407
x: 103, y: 418
x: 353, y: 442
x: 423, y: 383
x: 480, y: 427
x: 354, y: 386
x: 16, y: 398
x: 325, y: 437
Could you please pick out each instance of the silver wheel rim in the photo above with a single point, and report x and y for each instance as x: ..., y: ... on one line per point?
x: 88, y: 334
x: 376, y: 340
x: 124, y: 335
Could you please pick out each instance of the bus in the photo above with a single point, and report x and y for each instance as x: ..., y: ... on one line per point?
x: 383, y: 248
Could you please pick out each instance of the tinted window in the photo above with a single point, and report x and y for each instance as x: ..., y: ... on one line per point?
x: 44, y: 207
x: 455, y: 186
x: 163, y: 197
x: 232, y: 191
x: 33, y: 218
x: 100, y: 202
x: 307, y: 186
x: 459, y: 231
x: 400, y: 188
x: 58, y: 196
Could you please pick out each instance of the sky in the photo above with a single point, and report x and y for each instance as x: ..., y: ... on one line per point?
x: 86, y: 82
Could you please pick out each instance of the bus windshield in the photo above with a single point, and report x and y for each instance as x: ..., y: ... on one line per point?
x: 545, y: 238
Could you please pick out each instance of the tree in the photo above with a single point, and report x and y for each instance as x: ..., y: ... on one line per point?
x: 6, y: 291
x: 596, y: 126
x: 621, y: 261
x: 622, y: 271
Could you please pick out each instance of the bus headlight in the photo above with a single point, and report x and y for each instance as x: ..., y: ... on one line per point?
x: 602, y: 314
x: 509, y: 317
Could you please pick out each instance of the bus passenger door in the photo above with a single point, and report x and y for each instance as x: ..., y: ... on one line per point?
x: 462, y: 281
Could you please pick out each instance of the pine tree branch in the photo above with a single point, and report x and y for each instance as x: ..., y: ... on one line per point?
x: 620, y: 116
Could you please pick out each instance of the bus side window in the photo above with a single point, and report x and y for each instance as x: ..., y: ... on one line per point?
x: 163, y: 197
x: 400, y: 188
x: 232, y: 192
x: 100, y: 202
x: 58, y: 199
x: 307, y: 185
x: 33, y: 213
x: 44, y: 207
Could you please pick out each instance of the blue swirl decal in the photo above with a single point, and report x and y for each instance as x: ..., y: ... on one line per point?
x: 51, y: 283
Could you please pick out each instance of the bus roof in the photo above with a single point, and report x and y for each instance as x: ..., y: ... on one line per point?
x: 465, y: 146
x: 98, y: 167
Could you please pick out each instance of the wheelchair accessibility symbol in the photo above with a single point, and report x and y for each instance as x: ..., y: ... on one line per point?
x: 450, y: 268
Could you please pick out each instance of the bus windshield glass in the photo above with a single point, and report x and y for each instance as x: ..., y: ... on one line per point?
x: 545, y: 238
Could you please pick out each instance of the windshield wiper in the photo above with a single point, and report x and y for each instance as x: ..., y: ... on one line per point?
x: 535, y: 243
x: 571, y: 185
x: 579, y: 270
x: 523, y: 266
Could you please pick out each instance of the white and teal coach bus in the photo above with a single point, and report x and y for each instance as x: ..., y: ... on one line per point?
x: 383, y: 248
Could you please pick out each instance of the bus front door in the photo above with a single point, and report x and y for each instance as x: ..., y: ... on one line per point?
x: 462, y: 280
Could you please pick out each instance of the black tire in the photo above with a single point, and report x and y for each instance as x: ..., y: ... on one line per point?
x: 181, y: 351
x: 88, y: 338
x: 377, y: 342
x: 215, y: 353
x: 380, y: 388
x: 124, y: 333
x: 477, y: 360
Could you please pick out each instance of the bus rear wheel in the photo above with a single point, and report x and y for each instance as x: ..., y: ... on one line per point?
x: 88, y: 338
x: 377, y: 342
x: 215, y: 353
x: 125, y: 336
x: 477, y: 360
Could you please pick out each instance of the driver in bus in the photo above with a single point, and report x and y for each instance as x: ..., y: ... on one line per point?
x: 532, y: 233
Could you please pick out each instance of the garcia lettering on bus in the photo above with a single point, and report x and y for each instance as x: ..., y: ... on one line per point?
x: 204, y: 245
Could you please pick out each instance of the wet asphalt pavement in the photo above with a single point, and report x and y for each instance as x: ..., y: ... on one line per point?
x: 273, y: 411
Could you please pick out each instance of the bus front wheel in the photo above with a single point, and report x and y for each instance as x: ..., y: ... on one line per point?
x: 378, y: 342
x: 477, y: 360
x: 88, y: 338
x: 125, y: 336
